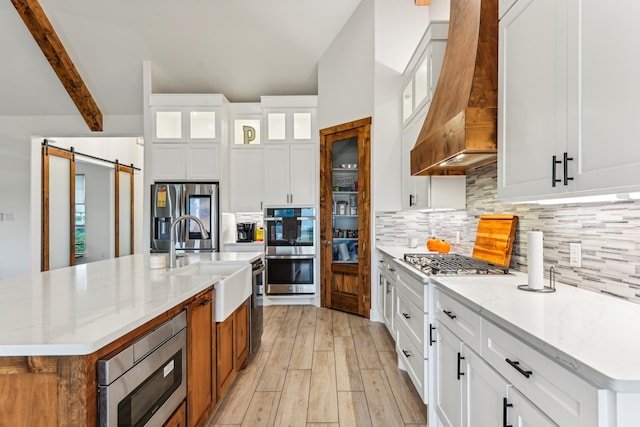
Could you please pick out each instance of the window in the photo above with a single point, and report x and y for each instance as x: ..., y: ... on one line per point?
x: 80, y: 217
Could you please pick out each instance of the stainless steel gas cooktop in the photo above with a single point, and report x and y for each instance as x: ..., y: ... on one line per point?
x: 441, y: 264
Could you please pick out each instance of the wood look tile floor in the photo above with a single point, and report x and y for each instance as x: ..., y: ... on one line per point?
x: 318, y: 367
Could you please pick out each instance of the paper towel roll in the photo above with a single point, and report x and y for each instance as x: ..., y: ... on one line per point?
x: 228, y: 228
x: 535, y: 260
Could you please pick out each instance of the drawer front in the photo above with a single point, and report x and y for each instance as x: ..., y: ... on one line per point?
x: 413, y: 287
x: 410, y: 316
x: 386, y: 263
x: 566, y: 398
x: 464, y: 322
x: 414, y: 362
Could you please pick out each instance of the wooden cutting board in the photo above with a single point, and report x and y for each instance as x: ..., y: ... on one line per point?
x: 494, y: 239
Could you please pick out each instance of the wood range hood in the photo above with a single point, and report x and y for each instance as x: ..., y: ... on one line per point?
x: 460, y: 130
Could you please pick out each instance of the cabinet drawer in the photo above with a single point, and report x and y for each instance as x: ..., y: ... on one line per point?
x: 462, y: 321
x: 412, y: 286
x: 410, y: 316
x: 414, y: 362
x: 567, y: 399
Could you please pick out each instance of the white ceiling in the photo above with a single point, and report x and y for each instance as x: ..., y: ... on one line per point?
x: 241, y: 48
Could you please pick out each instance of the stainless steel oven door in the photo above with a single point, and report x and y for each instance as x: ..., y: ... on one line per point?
x: 149, y: 392
x: 291, y: 274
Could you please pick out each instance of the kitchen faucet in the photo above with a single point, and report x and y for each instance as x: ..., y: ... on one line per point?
x: 172, y: 244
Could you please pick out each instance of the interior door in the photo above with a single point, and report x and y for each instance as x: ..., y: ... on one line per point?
x: 344, y: 217
x: 58, y: 208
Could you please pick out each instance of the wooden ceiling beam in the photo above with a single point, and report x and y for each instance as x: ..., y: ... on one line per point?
x: 42, y: 31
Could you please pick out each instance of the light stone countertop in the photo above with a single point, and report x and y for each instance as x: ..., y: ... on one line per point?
x: 592, y: 334
x: 78, y: 310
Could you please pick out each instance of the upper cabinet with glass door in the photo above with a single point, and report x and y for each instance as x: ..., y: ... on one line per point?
x: 187, y: 117
x: 290, y: 119
x: 424, y: 70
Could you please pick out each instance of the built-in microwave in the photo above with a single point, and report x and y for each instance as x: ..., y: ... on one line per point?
x: 144, y: 383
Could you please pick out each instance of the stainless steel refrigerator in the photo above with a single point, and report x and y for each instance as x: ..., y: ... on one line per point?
x: 172, y: 200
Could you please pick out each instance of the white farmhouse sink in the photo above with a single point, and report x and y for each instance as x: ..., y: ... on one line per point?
x: 232, y: 289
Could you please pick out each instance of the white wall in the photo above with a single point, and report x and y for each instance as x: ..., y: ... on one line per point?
x: 346, y: 71
x: 17, y: 257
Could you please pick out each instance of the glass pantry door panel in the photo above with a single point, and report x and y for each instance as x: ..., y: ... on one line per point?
x: 276, y: 123
x: 202, y: 125
x: 246, y: 131
x: 302, y: 126
x: 345, y: 201
x: 168, y: 124
x: 59, y: 212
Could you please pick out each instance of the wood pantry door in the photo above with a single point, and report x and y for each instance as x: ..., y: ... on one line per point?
x: 344, y: 217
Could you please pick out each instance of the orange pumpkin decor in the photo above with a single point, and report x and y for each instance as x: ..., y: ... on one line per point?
x: 443, y: 247
x: 432, y: 244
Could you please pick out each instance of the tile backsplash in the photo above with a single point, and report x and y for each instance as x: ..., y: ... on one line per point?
x: 609, y: 234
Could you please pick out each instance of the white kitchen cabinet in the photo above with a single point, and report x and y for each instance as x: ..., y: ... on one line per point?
x: 290, y: 174
x: 386, y: 291
x: 537, y: 390
x: 483, y: 393
x: 246, y: 179
x: 187, y: 117
x: 427, y: 192
x: 186, y: 162
x: 422, y: 73
x: 532, y: 122
x: 421, y: 77
x: 567, y: 100
x: 521, y: 412
x: 412, y: 325
x: 290, y: 119
x: 448, y: 391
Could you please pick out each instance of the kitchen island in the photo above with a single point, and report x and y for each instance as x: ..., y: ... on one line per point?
x: 57, y: 324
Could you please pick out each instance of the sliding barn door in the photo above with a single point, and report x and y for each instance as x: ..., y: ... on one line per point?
x: 124, y: 191
x: 58, y: 208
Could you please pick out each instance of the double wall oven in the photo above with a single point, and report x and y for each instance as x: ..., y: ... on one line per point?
x: 290, y: 250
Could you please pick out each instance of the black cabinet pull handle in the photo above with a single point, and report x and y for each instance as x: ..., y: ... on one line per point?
x: 459, y: 359
x: 406, y: 315
x: 450, y: 314
x: 505, y: 406
x: 410, y: 199
x: 388, y: 288
x: 567, y: 178
x: 431, y: 329
x: 516, y: 366
x: 406, y: 353
x: 554, y: 162
x: 392, y: 269
x: 207, y: 301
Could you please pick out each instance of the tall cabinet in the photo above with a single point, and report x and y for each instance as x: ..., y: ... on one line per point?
x: 567, y: 123
x: 345, y: 216
x: 290, y: 150
x: 420, y: 80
